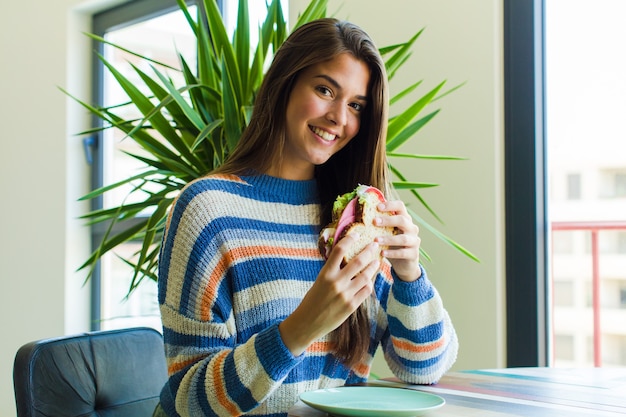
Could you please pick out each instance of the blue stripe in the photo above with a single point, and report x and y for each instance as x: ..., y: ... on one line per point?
x: 168, y: 393
x: 235, y: 388
x: 182, y: 201
x: 273, y: 355
x: 418, y: 367
x: 257, y: 270
x: 279, y: 190
x: 313, y: 367
x: 413, y: 293
x: 428, y: 333
x: 255, y: 319
x: 200, y: 391
x: 174, y: 338
x: 381, y: 288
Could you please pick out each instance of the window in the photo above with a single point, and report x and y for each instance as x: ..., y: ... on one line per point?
x: 600, y: 209
x: 158, y: 30
x: 529, y: 73
x: 564, y: 293
x: 613, y: 242
x: 620, y: 184
x: 573, y: 187
x: 613, y: 183
x: 620, y: 246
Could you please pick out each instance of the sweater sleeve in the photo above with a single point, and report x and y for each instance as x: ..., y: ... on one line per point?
x: 211, y: 372
x: 420, y: 344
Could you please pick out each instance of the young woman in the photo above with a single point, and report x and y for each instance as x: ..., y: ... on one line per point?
x: 252, y: 314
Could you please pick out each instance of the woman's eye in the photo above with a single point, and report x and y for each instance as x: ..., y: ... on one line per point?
x: 324, y: 90
x: 357, y: 106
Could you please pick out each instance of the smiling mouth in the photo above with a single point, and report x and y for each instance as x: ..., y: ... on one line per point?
x: 323, y: 134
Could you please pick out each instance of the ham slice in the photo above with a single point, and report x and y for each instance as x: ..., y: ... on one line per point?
x: 347, y: 218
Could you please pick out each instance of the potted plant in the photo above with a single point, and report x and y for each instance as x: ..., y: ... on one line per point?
x: 188, y: 130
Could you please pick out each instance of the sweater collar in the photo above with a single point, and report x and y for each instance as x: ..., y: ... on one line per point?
x: 293, y: 191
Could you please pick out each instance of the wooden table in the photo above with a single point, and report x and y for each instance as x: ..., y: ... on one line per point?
x: 523, y: 392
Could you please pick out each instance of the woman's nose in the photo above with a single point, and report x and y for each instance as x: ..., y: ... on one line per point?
x: 338, y: 114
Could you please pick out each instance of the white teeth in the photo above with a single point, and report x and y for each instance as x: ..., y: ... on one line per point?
x: 323, y: 134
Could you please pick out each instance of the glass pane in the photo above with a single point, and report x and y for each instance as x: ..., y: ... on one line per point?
x: 585, y: 107
x: 118, y: 310
x: 160, y: 39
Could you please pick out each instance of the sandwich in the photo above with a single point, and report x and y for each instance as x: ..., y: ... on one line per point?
x: 354, y: 212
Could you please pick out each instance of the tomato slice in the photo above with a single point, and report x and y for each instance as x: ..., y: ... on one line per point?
x: 376, y: 191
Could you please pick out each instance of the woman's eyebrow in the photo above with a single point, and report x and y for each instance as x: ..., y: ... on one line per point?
x: 337, y: 85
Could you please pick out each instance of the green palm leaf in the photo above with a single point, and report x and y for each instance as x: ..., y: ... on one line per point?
x: 222, y: 47
x: 394, y: 142
x: 417, y: 156
x: 241, y: 44
x: 182, y: 102
x: 443, y: 237
x: 150, y: 237
x: 401, y: 121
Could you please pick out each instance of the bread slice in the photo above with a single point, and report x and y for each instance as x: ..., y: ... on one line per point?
x: 365, y: 214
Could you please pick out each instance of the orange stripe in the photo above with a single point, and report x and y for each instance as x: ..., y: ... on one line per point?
x: 235, y: 255
x: 229, y: 177
x: 220, y: 391
x: 385, y: 269
x: 320, y: 347
x: 412, y: 347
x: 210, y: 292
x: 177, y: 366
x: 362, y: 369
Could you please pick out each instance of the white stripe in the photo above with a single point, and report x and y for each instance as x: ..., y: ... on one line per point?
x: 259, y: 294
x: 418, y: 317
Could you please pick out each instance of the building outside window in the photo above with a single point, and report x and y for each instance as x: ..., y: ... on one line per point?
x: 586, y: 146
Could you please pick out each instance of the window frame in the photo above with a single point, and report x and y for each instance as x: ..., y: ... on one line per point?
x: 526, y: 224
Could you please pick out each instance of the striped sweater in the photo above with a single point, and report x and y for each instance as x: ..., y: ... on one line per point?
x: 238, y: 255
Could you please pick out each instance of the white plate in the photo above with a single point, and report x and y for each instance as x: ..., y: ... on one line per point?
x: 372, y: 401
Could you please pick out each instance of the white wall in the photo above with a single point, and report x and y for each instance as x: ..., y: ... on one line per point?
x: 42, y: 174
x: 42, y: 169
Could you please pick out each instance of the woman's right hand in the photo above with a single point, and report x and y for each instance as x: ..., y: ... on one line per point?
x: 335, y: 294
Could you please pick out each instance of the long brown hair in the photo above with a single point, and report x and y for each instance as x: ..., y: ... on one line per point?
x: 362, y: 161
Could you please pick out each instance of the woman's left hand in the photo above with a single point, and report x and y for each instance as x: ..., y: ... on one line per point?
x: 404, y: 247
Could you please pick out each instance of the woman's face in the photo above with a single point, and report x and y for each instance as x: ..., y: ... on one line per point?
x: 323, y: 114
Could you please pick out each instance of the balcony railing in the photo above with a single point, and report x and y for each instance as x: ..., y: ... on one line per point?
x: 594, y: 227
